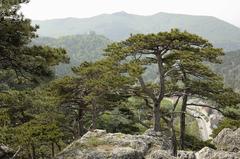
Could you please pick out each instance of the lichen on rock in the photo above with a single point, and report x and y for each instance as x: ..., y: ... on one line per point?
x: 228, y: 140
x: 99, y: 144
x: 208, y: 153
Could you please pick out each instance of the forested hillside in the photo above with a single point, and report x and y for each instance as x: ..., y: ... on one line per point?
x: 158, y: 83
x: 119, y: 26
x: 80, y: 48
x: 230, y: 69
x: 90, y: 47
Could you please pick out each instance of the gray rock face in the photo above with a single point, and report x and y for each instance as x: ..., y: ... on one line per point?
x: 228, y: 140
x: 101, y: 145
x: 159, y: 154
x: 208, y: 153
x: 125, y: 153
x: 227, y: 143
x: 151, y: 145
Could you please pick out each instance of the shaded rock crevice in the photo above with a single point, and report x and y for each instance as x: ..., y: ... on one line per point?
x: 5, y: 152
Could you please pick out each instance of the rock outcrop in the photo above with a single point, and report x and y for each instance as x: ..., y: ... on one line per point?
x: 228, y: 140
x: 208, y: 153
x: 99, y: 144
x: 227, y: 143
x: 207, y: 120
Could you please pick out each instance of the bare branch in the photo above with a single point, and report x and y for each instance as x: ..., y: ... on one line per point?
x: 206, y: 106
x: 15, y: 155
x: 176, y: 103
x: 169, y: 71
x: 145, y: 89
x: 143, y: 124
x: 147, y: 103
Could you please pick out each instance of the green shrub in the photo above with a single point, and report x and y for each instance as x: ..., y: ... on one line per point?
x: 195, y: 144
x: 226, y: 123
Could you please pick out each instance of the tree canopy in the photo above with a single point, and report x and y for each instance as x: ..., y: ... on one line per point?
x: 146, y: 81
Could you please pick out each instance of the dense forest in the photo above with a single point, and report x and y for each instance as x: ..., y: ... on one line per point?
x: 229, y: 69
x: 89, y: 47
x: 80, y: 48
x: 53, y: 91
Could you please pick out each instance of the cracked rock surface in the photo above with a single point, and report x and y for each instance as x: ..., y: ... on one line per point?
x: 99, y: 144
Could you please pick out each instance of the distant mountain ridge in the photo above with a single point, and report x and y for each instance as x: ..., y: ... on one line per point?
x: 120, y: 25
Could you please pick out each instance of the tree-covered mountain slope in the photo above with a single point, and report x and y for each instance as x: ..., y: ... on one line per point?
x: 89, y: 47
x: 230, y: 69
x: 119, y: 26
x: 80, y: 48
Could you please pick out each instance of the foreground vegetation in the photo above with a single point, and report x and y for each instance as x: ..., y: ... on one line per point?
x: 41, y: 114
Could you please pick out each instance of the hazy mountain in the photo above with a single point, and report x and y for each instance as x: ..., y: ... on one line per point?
x: 119, y: 25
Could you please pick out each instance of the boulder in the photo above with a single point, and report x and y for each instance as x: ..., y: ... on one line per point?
x: 159, y: 154
x: 208, y: 153
x: 228, y: 140
x: 98, y: 144
x: 126, y: 153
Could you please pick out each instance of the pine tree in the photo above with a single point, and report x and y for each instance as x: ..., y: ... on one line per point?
x: 23, y: 66
x: 140, y: 51
x: 16, y: 33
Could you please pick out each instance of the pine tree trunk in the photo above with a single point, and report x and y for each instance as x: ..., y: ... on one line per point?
x: 80, y: 123
x: 94, y: 121
x: 157, y: 103
x: 183, y: 122
x: 53, y: 150
x: 174, y: 142
x: 157, y: 117
x: 173, y: 137
x: 33, y: 151
x: 58, y: 146
x: 94, y: 115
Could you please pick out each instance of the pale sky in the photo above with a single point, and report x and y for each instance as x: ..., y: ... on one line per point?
x: 228, y: 10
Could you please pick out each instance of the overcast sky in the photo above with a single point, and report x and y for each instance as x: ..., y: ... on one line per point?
x: 228, y: 10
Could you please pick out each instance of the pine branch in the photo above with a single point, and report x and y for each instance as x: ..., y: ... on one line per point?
x: 206, y: 106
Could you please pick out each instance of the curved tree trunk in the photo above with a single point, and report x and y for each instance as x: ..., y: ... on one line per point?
x: 33, y: 151
x: 156, y: 116
x: 183, y: 122
x: 58, y: 146
x: 53, y: 149
x: 80, y: 122
x: 94, y: 115
x: 174, y: 141
x: 173, y: 137
x: 157, y: 103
